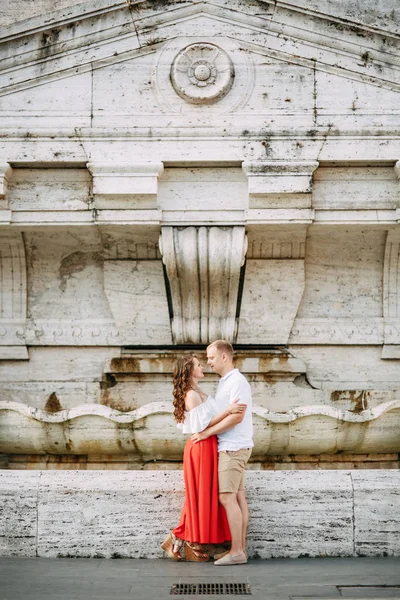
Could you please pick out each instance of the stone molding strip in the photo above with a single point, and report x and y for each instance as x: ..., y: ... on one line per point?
x: 154, y: 408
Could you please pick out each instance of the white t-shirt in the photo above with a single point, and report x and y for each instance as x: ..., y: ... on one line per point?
x: 231, y: 386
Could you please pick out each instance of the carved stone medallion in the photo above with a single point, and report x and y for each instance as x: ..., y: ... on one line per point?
x: 202, y: 73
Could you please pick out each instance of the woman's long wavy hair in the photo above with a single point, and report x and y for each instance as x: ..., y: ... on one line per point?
x: 182, y: 384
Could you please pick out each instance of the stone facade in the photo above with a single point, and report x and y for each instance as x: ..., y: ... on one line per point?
x: 172, y: 172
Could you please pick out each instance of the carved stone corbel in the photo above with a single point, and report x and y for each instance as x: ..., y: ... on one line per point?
x: 203, y: 268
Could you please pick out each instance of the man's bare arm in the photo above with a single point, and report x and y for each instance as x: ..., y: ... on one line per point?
x: 220, y: 427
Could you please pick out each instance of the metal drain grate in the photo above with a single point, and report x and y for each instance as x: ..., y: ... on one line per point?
x: 190, y: 589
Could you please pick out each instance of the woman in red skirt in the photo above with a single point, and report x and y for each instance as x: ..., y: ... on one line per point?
x: 203, y: 519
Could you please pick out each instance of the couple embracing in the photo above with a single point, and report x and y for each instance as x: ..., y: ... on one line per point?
x: 214, y: 460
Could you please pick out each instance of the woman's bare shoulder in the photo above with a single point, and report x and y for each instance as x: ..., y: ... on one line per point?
x: 192, y: 400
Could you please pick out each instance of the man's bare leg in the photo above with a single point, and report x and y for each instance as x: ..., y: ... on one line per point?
x: 233, y: 510
x: 245, y: 515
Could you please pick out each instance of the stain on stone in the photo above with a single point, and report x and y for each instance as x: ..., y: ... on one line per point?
x: 73, y: 25
x: 125, y: 365
x: 109, y: 381
x: 158, y: 4
x: 266, y: 362
x: 77, y: 262
x: 302, y: 382
x: 47, y: 40
x: 267, y: 146
x: 359, y: 399
x: 152, y: 40
x: 365, y: 57
x: 53, y: 404
x: 338, y: 26
x: 134, y: 6
x: 115, y: 403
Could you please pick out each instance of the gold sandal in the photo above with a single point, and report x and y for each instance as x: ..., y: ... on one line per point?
x: 172, y: 545
x: 194, y: 553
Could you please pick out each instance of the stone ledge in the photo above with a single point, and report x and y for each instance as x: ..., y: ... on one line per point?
x: 149, y: 432
x: 128, y: 513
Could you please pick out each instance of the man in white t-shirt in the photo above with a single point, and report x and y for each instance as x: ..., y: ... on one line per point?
x: 235, y: 441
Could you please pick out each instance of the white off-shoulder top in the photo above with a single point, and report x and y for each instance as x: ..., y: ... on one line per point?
x: 199, y: 417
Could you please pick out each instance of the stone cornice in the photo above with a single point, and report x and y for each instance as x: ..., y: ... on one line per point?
x: 95, y: 8
x: 72, y: 40
x: 217, y: 131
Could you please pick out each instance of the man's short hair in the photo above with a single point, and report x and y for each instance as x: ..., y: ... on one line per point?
x: 222, y: 346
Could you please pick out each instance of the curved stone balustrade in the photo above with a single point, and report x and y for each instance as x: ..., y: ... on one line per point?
x: 150, y: 432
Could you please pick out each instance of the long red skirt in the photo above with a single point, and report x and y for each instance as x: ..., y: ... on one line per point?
x: 203, y: 518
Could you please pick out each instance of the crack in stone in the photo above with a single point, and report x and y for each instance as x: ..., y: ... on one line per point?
x: 37, y: 514
x: 353, y: 517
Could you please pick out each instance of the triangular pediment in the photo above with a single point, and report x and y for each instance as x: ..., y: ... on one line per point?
x: 64, y: 44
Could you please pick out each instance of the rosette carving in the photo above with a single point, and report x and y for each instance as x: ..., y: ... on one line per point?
x: 202, y: 73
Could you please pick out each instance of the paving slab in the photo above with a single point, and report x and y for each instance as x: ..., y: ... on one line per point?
x: 360, y: 578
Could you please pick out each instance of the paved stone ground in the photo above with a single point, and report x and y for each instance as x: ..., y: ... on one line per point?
x: 124, y: 579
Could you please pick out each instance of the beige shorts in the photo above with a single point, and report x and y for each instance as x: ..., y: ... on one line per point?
x: 231, y: 466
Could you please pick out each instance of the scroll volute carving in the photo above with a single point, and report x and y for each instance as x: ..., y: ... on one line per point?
x: 203, y: 268
x: 13, y: 297
x: 391, y: 296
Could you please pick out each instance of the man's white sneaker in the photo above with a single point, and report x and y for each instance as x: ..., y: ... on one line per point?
x: 231, y: 559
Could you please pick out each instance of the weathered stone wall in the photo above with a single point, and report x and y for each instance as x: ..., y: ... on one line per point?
x: 128, y: 514
x: 268, y: 167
